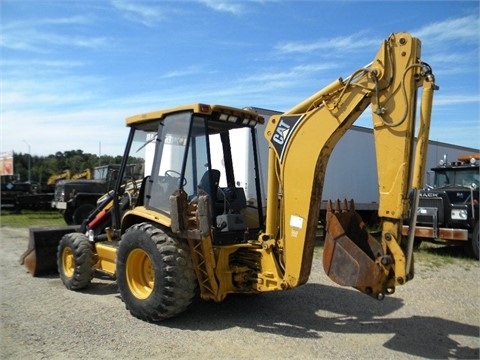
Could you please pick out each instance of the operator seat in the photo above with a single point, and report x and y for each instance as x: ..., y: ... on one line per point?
x: 209, y: 183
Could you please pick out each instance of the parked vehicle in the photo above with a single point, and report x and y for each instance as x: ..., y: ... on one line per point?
x: 23, y: 195
x: 448, y: 208
x: 76, y: 199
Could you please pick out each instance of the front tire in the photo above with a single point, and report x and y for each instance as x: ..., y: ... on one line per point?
x: 81, y: 213
x: 75, y: 261
x: 476, y: 242
x: 155, y: 275
x: 68, y: 217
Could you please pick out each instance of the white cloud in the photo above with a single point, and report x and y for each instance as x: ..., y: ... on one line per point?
x: 233, y: 7
x: 133, y: 11
x: 292, y: 77
x: 48, y: 132
x: 34, y: 37
x: 336, y: 44
x: 37, y: 22
x: 42, y: 92
x: 72, y: 40
x: 192, y: 70
x: 40, y: 63
x: 448, y: 100
x: 464, y: 29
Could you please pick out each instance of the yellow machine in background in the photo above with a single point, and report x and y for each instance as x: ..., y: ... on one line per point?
x: 187, y: 227
x: 52, y: 180
x: 85, y: 174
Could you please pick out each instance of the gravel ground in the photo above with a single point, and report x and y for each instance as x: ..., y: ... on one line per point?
x: 434, y: 316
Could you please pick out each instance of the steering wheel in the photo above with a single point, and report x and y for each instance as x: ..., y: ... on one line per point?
x: 169, y: 173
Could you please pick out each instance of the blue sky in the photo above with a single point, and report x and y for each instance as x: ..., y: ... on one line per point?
x: 72, y: 71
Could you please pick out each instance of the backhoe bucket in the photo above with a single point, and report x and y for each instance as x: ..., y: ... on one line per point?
x: 41, y: 255
x: 351, y: 255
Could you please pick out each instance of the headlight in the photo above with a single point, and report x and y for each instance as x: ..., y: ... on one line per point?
x: 60, y: 194
x: 459, y: 214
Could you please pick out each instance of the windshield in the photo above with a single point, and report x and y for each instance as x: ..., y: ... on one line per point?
x: 169, y: 161
x: 100, y: 173
x: 459, y: 177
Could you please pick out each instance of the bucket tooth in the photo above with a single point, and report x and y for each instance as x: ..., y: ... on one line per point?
x: 337, y: 207
x: 329, y: 206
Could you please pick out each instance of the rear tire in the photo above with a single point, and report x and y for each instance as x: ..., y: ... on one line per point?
x: 75, y: 261
x: 155, y: 275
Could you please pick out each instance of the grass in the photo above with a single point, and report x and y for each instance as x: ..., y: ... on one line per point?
x: 434, y: 255
x: 29, y: 218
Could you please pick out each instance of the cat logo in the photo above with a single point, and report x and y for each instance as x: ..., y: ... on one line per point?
x: 283, y: 132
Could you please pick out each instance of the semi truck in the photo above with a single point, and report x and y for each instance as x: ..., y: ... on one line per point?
x: 448, y: 207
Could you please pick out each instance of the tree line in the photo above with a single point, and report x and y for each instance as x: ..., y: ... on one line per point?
x: 42, y: 167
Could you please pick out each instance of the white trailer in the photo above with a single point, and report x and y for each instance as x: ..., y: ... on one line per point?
x: 351, y: 171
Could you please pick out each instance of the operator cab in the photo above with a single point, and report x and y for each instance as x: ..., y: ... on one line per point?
x: 188, y: 149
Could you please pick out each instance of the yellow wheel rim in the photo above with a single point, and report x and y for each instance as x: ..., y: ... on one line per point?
x: 140, y: 274
x: 68, y: 262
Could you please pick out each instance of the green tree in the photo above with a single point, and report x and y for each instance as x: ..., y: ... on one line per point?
x: 42, y: 167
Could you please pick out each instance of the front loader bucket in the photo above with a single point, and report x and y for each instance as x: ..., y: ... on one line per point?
x: 351, y: 256
x: 41, y: 254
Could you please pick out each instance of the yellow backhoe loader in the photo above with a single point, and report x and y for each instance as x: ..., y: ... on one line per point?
x: 187, y: 229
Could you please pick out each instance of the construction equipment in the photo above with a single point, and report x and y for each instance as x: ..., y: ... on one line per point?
x: 53, y: 179
x: 187, y: 228
x: 448, y: 209
x: 85, y: 174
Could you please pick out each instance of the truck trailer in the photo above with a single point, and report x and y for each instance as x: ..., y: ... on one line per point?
x: 351, y: 170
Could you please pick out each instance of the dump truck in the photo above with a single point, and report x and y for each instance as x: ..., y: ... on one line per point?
x: 177, y: 234
x: 448, y: 208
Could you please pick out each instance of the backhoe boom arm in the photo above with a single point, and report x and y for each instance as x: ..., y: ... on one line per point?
x: 301, y: 141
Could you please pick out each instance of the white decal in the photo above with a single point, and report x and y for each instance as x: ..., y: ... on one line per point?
x: 296, y: 222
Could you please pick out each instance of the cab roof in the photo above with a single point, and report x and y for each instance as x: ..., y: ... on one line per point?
x: 242, y: 117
